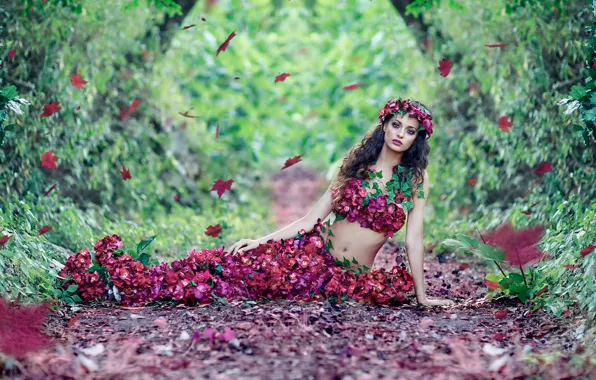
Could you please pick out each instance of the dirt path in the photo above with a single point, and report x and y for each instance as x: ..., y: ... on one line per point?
x: 317, y: 340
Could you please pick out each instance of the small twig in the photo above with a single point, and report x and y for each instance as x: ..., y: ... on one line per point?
x: 520, y: 267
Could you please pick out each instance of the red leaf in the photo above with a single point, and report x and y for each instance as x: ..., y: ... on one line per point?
x: 22, y: 328
x: 281, y: 77
x: 445, y: 67
x: 124, y: 113
x: 77, y: 81
x: 50, y: 109
x: 125, y: 173
x: 527, y: 212
x: 236, y: 78
x: 500, y: 314
x: 134, y: 105
x: 544, y: 167
x: 496, y: 45
x: 542, y: 291
x: 584, y: 252
x: 48, y: 160
x: 292, y: 161
x: 519, y: 246
x: 78, y: 108
x: 569, y: 266
x: 464, y: 266
x: 352, y: 87
x: 504, y: 123
x: 49, y: 191
x: 177, y: 197
x: 492, y: 285
x: 213, y: 230
x: 74, y: 320
x: 221, y: 186
x: 224, y: 45
x: 535, y: 204
x: 43, y: 230
x: 4, y: 239
x: 472, y: 181
x: 188, y: 26
x: 567, y: 312
x: 227, y: 335
x: 499, y: 336
x: 11, y: 53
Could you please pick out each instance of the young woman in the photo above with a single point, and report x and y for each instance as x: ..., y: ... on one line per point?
x: 380, y: 180
x: 393, y: 153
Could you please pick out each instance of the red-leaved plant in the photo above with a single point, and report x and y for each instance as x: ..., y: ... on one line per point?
x: 21, y: 328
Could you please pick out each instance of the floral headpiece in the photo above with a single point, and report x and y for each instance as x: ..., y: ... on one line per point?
x: 413, y: 108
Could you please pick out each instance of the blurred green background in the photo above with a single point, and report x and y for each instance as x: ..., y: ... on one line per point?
x: 138, y: 50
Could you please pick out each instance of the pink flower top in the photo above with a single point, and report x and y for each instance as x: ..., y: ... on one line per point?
x: 375, y: 213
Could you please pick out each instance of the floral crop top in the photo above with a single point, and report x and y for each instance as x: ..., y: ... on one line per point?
x: 379, y: 212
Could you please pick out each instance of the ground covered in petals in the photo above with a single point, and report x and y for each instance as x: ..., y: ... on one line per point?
x: 475, y: 339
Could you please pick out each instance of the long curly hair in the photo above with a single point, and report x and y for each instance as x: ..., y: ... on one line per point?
x: 357, y: 161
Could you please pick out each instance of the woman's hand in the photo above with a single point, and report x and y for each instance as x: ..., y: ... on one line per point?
x: 432, y: 302
x: 244, y: 245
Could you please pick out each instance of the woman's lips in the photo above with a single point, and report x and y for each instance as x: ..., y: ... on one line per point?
x: 397, y: 142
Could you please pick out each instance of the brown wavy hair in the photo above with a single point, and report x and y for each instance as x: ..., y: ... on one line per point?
x: 358, y: 159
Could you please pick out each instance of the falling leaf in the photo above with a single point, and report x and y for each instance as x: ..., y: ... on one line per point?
x: 4, y: 239
x: 496, y: 45
x: 49, y: 191
x: 78, y: 108
x: 584, y: 252
x: 124, y: 113
x: 472, y: 181
x: 22, y: 328
x: 221, y: 186
x: 292, y: 161
x: 519, y: 246
x: 77, y: 81
x: 188, y: 26
x: 177, y: 197
x: 134, y: 105
x: 544, y: 167
x: 185, y: 114
x: 203, y: 18
x: 48, y: 160
x: 352, y: 87
x: 281, y: 77
x: 11, y: 53
x: 569, y: 266
x: 50, y: 109
x: 445, y: 67
x: 236, y: 78
x: 224, y: 45
x: 504, y: 123
x: 500, y: 314
x: 43, y: 230
x: 160, y: 322
x: 464, y: 266
x: 213, y: 230
x: 125, y: 173
x: 527, y: 212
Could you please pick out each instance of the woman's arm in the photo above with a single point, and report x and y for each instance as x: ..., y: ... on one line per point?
x: 415, y: 245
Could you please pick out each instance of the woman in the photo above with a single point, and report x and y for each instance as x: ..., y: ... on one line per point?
x: 380, y: 180
x: 397, y: 141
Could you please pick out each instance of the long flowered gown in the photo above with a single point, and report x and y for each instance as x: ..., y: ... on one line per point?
x: 300, y: 268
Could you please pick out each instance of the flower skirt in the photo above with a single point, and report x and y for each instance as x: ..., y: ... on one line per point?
x: 300, y: 268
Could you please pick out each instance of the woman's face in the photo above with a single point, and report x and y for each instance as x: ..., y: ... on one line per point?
x: 403, y: 129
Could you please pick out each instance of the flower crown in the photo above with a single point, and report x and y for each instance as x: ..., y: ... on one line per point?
x: 413, y: 108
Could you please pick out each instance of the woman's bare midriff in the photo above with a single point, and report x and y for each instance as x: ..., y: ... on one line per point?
x: 351, y: 241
